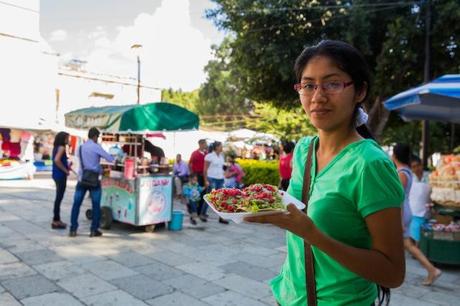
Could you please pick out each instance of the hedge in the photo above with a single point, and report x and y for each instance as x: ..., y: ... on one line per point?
x: 260, y: 171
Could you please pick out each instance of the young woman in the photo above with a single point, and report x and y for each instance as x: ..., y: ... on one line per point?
x: 213, y: 173
x: 60, y: 172
x: 353, y: 222
x: 401, y: 158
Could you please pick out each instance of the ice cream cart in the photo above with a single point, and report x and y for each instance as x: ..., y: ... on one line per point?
x: 134, y: 191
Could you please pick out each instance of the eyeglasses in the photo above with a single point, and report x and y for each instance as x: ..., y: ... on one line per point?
x: 307, y: 89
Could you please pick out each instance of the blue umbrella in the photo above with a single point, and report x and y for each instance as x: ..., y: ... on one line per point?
x: 438, y: 100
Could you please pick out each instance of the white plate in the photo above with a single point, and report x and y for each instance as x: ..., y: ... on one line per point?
x: 239, y: 216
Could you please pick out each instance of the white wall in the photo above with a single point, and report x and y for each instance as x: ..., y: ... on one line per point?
x: 27, y: 74
x: 20, y: 18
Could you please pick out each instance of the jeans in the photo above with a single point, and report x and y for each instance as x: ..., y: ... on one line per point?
x: 61, y: 184
x: 213, y: 184
x: 80, y: 192
x: 193, y: 206
x: 202, y: 203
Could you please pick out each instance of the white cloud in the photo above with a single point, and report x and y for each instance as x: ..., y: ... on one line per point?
x: 173, y: 55
x: 58, y: 35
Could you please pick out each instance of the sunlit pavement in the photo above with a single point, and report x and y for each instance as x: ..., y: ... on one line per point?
x: 210, y: 264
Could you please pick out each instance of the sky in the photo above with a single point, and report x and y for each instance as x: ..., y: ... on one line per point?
x: 175, y: 35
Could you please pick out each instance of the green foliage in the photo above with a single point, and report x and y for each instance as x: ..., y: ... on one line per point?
x: 268, y: 35
x: 281, y: 122
x: 221, y: 93
x: 259, y: 171
x: 188, y: 100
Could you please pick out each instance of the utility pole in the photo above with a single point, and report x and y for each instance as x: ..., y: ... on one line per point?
x: 426, y: 79
x: 138, y: 80
x: 136, y: 48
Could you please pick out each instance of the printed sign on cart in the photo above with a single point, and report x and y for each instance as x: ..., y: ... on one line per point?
x: 119, y: 195
x: 155, y: 200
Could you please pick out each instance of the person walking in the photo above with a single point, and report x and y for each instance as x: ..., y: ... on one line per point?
x: 419, y: 198
x: 285, y: 164
x: 213, y: 174
x: 60, y: 172
x: 347, y: 245
x: 89, y: 155
x: 196, y: 166
x: 401, y: 158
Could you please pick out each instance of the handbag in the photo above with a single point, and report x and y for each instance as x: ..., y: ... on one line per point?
x: 309, y: 260
x: 89, y: 178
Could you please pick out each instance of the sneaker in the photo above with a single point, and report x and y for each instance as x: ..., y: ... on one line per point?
x: 193, y: 221
x: 72, y: 234
x: 223, y: 221
x: 203, y: 219
x: 96, y: 233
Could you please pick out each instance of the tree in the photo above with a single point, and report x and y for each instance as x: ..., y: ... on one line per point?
x: 287, y: 124
x: 188, y: 100
x: 269, y: 34
x: 221, y: 93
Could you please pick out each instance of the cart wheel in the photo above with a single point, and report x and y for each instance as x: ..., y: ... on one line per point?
x: 89, y: 214
x: 150, y: 228
x: 106, y: 217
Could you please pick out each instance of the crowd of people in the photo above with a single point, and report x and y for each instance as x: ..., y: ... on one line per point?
x: 208, y: 169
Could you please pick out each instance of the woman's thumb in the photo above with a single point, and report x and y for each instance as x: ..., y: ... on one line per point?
x: 293, y: 209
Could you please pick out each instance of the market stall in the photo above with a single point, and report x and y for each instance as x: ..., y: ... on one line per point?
x: 16, y: 154
x: 136, y: 189
x: 440, y: 239
x: 438, y: 100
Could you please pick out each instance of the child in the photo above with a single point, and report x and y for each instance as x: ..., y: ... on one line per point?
x: 233, y: 174
x: 192, y: 192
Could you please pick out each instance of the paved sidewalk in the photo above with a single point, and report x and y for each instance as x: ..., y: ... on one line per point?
x: 212, y: 264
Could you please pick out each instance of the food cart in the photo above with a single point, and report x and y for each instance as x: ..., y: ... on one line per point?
x: 134, y: 191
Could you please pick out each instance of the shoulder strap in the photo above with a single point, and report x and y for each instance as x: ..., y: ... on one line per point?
x: 406, y: 171
x: 309, y: 261
x: 81, y: 158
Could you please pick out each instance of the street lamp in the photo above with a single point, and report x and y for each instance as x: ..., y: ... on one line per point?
x: 137, y: 48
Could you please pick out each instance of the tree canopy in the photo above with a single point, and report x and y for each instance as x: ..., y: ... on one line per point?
x: 267, y: 36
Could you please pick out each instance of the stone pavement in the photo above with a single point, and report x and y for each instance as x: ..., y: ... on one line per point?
x: 212, y: 264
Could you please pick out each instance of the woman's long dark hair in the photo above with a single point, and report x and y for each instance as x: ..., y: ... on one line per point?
x: 213, y: 146
x: 60, y: 140
x: 349, y: 60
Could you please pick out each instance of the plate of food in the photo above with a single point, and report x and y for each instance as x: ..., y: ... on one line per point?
x: 254, y: 200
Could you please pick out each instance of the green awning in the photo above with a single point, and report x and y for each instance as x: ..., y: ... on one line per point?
x: 159, y: 116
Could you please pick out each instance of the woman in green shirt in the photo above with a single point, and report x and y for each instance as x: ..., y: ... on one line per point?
x: 353, y: 221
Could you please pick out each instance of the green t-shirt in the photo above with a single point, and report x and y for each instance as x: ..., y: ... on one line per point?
x: 359, y: 181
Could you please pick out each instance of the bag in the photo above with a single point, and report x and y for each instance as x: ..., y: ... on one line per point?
x: 89, y: 178
x: 309, y: 260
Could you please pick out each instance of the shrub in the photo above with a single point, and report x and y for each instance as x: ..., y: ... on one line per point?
x: 260, y: 171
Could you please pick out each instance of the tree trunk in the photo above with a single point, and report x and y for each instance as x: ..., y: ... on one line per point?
x: 378, y: 118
